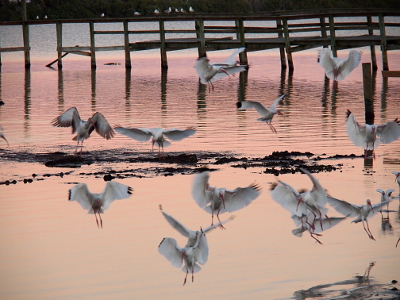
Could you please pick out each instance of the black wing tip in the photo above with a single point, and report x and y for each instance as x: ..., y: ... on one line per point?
x: 130, y: 190
x: 69, y: 195
x: 348, y: 113
x: 273, y: 186
x: 256, y: 186
x: 161, y: 242
x: 239, y: 104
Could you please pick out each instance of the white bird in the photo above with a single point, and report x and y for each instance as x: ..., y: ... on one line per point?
x: 327, y: 224
x: 369, y: 136
x: 362, y: 212
x: 266, y: 113
x: 97, y: 122
x: 102, y: 15
x: 156, y: 11
x: 189, y: 255
x: 136, y: 13
x: 202, y: 252
x: 167, y: 11
x: 96, y: 203
x: 37, y: 18
x: 230, y: 61
x: 209, y: 73
x: 385, y: 196
x: 191, y: 9
x: 183, y: 10
x: 3, y: 136
x: 337, y: 68
x: 158, y: 135
x: 397, y: 179
x: 45, y: 17
x: 220, y: 200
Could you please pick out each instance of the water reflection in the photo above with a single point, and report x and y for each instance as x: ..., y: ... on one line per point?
x: 60, y: 91
x: 361, y: 286
x: 164, y: 77
x: 93, y: 88
x: 128, y: 83
x: 96, y: 203
x: 27, y: 102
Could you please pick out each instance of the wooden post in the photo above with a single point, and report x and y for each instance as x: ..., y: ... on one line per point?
x: 368, y: 94
x: 281, y: 49
x: 128, y: 63
x: 323, y: 29
x: 372, y: 47
x: 25, y: 34
x: 59, y: 43
x: 382, y: 30
x: 93, y: 87
x: 92, y: 46
x: 60, y: 88
x: 240, y: 36
x: 287, y: 44
x: 163, y: 49
x: 333, y: 35
x: 201, y: 36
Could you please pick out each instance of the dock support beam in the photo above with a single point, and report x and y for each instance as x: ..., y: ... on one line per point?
x: 200, y: 35
x: 372, y: 47
x: 128, y: 63
x: 25, y: 35
x: 382, y: 30
x: 92, y: 46
x: 163, y: 48
x: 287, y: 44
x: 59, y: 44
x: 281, y: 49
x: 368, y: 94
x: 333, y: 35
x: 240, y: 36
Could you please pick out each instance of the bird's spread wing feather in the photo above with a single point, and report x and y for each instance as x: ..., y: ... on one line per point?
x: 345, y: 208
x: 102, y: 126
x: 201, y: 251
x: 355, y: 131
x: 81, y: 194
x: 178, y: 134
x: 317, y: 190
x: 287, y: 197
x: 210, y: 228
x: 276, y: 101
x: 138, y: 134
x: 224, y: 72
x: 176, y: 224
x: 261, y: 109
x: 68, y: 118
x: 240, y: 197
x: 326, y: 60
x: 388, y: 132
x: 348, y: 64
x: 171, y: 251
x: 114, y: 191
x: 200, y: 189
x: 230, y: 61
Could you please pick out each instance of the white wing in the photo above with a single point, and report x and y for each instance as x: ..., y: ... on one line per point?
x: 230, y: 61
x: 355, y: 131
x: 81, y: 194
x: 288, y: 198
x: 102, y: 126
x: 227, y: 71
x: 276, y: 101
x: 349, y: 64
x: 389, y: 132
x: 201, y: 251
x: 261, y: 109
x: 201, y: 188
x: 177, y: 225
x: 114, y: 191
x: 240, y: 197
x: 68, y: 118
x: 326, y: 224
x: 345, y: 208
x: 138, y: 134
x: 317, y: 191
x: 210, y: 228
x: 171, y: 251
x: 178, y: 134
x: 325, y: 59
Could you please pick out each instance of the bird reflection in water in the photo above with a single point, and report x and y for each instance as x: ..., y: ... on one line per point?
x: 96, y: 203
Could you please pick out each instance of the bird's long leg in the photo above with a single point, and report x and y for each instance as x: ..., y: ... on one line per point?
x: 192, y: 273
x: 272, y: 128
x: 222, y: 227
x: 101, y: 220
x: 97, y: 221
x: 368, y: 231
x: 187, y: 271
x: 397, y: 242
x: 312, y: 235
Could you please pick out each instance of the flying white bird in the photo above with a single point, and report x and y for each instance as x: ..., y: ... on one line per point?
x: 201, y: 252
x: 266, y: 113
x: 230, y: 61
x: 97, y: 122
x: 96, y: 203
x: 337, y: 68
x: 369, y: 136
x: 158, y: 135
x: 3, y: 136
x: 385, y: 196
x: 220, y: 200
x: 327, y: 224
x: 362, y: 212
x: 209, y: 73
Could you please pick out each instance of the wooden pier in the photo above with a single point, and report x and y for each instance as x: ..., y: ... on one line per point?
x: 290, y: 32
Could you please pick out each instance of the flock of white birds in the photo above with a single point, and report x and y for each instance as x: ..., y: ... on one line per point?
x: 308, y: 209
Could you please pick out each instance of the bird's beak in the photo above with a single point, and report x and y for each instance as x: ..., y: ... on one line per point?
x: 298, y: 203
x: 4, y: 138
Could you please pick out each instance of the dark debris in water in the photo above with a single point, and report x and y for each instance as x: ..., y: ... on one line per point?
x: 284, y: 162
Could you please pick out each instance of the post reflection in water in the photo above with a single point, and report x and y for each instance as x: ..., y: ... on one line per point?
x: 242, y: 87
x: 164, y: 80
x: 60, y: 91
x: 27, y: 103
x: 93, y: 88
x: 201, y: 104
x: 128, y: 81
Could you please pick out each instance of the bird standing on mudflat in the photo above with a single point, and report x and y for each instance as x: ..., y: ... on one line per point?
x: 370, y: 136
x: 97, y: 122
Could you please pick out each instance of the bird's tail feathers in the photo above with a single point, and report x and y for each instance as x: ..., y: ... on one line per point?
x: 298, y: 231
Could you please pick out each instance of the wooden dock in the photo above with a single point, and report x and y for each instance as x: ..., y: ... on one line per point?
x: 291, y: 32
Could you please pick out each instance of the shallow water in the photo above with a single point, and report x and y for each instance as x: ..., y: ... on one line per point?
x: 53, y: 249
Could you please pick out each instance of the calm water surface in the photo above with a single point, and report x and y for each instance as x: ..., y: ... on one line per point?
x: 52, y: 249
